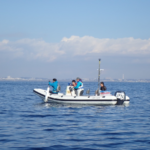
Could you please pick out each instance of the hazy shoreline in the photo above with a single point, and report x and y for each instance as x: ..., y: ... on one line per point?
x: 69, y: 80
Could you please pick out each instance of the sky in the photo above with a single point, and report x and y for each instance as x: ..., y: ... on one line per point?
x: 65, y: 39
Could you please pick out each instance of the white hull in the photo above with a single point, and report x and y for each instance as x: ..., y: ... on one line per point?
x: 93, y: 100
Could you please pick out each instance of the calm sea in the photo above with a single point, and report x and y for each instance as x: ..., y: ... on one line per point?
x: 28, y: 123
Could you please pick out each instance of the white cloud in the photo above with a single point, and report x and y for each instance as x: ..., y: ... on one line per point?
x: 75, y: 45
x: 87, y: 44
x: 31, y: 49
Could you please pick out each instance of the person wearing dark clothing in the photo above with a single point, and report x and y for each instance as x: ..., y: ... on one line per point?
x: 103, y: 87
x: 74, y: 83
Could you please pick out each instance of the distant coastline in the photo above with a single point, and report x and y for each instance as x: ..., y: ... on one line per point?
x: 9, y: 78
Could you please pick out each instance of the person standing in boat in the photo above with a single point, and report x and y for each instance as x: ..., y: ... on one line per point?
x: 103, y: 87
x: 79, y: 84
x: 54, y: 84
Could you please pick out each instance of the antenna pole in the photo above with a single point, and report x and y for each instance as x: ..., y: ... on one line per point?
x: 99, y: 75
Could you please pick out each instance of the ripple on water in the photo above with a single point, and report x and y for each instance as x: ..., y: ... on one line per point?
x: 28, y: 123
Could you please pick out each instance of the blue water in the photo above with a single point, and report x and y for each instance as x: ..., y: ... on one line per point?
x: 28, y: 123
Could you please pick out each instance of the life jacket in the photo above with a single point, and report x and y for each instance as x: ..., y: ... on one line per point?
x: 81, y: 86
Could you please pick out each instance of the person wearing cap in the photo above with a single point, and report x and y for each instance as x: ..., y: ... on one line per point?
x: 103, y: 87
x: 54, y: 84
x: 79, y: 84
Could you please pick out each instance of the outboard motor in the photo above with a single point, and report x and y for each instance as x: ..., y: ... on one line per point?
x: 121, y: 97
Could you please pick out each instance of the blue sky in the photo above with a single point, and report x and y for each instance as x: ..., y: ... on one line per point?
x: 64, y: 39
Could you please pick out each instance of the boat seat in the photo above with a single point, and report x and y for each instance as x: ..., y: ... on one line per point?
x: 79, y: 92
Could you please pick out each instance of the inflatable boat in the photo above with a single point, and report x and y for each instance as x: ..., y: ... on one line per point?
x: 73, y: 96
x: 76, y: 97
